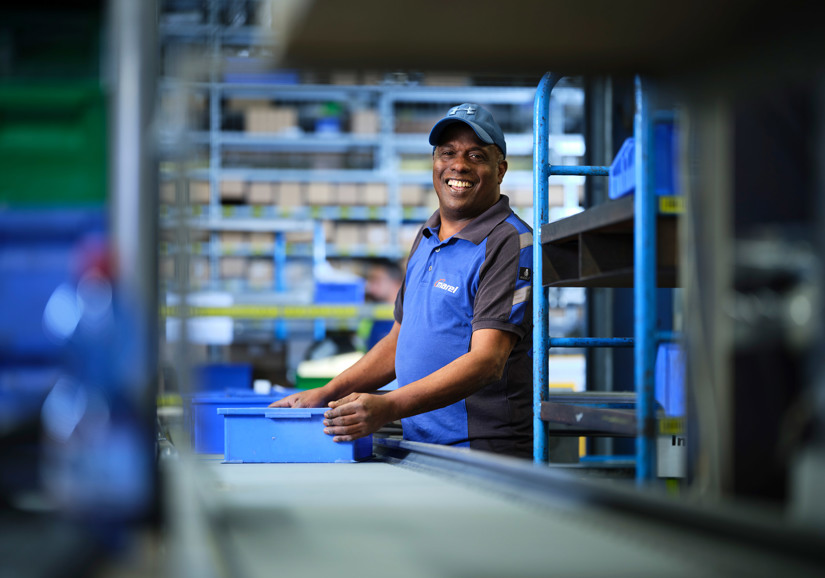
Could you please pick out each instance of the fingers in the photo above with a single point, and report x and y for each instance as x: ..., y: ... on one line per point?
x: 346, y: 433
x: 344, y: 421
x: 344, y: 400
x: 290, y: 401
x: 349, y: 419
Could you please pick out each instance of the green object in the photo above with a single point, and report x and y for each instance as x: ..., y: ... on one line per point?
x: 52, y: 143
x: 310, y: 382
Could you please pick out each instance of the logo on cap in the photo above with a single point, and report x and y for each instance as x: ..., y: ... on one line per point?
x: 469, y: 108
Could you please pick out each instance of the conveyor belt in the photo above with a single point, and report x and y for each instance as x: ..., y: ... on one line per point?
x: 409, y: 514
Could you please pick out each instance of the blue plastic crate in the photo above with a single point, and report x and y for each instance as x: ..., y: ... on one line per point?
x: 670, y: 379
x: 349, y: 292
x: 622, y: 177
x: 253, y: 435
x: 38, y: 249
x: 223, y: 376
x: 206, y: 424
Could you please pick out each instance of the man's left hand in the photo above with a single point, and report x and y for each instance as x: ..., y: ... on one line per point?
x: 356, y: 415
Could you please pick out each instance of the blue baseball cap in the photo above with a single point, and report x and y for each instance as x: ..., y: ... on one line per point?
x: 477, y: 118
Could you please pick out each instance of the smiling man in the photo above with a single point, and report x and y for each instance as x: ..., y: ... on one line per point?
x: 461, y: 343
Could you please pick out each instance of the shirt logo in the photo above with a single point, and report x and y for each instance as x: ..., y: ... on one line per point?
x: 440, y: 284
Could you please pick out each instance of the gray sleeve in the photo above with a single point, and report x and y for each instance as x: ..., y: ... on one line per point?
x: 503, y: 297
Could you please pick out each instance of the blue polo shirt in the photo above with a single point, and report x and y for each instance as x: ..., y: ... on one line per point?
x: 479, y: 278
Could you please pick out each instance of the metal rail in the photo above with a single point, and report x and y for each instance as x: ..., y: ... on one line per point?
x: 761, y: 537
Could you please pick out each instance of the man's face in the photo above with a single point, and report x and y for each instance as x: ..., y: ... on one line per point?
x: 466, y: 173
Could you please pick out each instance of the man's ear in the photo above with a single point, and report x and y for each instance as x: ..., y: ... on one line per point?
x: 502, y: 168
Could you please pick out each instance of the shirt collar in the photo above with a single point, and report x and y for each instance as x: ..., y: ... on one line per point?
x: 478, y: 229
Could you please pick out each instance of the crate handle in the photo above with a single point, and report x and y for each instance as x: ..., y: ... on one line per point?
x: 275, y: 414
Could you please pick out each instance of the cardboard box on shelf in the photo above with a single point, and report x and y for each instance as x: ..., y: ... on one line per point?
x: 521, y: 197
x: 290, y: 194
x: 270, y: 119
x: 371, y: 77
x: 199, y: 192
x: 375, y: 194
x: 406, y: 235
x: 377, y: 234
x: 260, y: 272
x: 260, y: 193
x: 319, y: 194
x: 411, y: 195
x: 167, y: 192
x: 328, y: 228
x: 555, y: 195
x: 444, y: 79
x: 348, y: 234
x: 261, y: 241
x: 166, y: 267
x: 199, y: 269
x: 298, y: 237
x: 347, y: 194
x: 364, y: 122
x: 232, y: 239
x: 240, y: 104
x: 418, y: 123
x: 233, y: 191
x: 233, y: 267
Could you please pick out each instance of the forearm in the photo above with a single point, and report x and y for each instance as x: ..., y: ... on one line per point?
x: 453, y: 382
x: 357, y: 415
x: 371, y: 372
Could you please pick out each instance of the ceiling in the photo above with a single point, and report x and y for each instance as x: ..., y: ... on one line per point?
x: 533, y: 36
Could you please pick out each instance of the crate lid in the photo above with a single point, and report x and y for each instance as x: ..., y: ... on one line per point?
x: 275, y: 412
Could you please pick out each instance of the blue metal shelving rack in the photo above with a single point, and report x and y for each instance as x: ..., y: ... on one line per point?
x: 644, y: 249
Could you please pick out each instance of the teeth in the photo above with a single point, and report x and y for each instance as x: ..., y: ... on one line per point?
x: 459, y: 184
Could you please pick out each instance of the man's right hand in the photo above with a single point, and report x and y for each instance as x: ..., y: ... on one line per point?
x: 309, y: 398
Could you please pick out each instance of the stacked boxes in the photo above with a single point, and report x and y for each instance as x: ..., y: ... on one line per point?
x: 260, y: 193
x: 319, y: 194
x: 270, y: 119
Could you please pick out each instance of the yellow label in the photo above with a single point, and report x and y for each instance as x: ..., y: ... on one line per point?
x: 674, y: 204
x: 672, y: 425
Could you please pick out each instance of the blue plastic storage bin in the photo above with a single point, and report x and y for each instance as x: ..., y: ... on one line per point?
x: 206, y: 424
x: 38, y: 248
x: 268, y: 435
x: 670, y: 379
x: 350, y: 292
x: 223, y: 376
x: 622, y: 177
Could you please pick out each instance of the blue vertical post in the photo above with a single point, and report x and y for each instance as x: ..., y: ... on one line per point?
x: 541, y: 172
x: 644, y: 294
x: 279, y: 258
x: 319, y: 256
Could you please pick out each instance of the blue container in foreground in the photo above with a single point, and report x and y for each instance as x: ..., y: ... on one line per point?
x: 207, y: 424
x: 280, y: 435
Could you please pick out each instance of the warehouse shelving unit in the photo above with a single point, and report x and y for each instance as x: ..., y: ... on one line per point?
x: 309, y: 224
x: 620, y: 243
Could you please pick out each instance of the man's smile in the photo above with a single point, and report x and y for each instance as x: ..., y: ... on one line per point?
x: 459, y: 185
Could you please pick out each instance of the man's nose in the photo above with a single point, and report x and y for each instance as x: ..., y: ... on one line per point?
x: 460, y: 164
